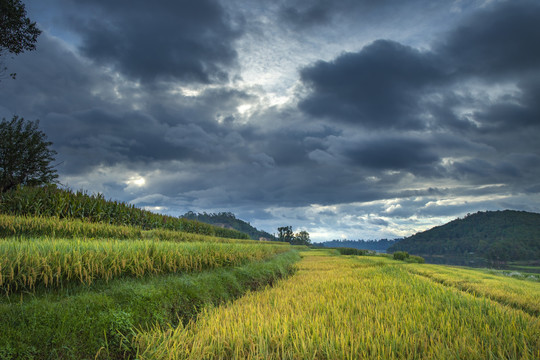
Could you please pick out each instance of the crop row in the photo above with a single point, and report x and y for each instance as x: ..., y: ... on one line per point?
x: 52, y: 227
x: 26, y: 265
x: 346, y: 308
x: 50, y: 201
x: 524, y: 295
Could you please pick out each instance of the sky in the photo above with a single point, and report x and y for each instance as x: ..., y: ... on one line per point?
x: 350, y: 119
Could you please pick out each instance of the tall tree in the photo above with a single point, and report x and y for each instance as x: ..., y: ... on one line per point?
x: 25, y: 154
x: 285, y: 234
x: 17, y: 32
x: 302, y: 238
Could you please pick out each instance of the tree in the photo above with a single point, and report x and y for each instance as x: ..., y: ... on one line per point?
x: 285, y: 234
x: 25, y: 156
x: 302, y: 238
x: 17, y: 32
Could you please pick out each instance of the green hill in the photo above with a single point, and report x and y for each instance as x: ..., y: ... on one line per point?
x: 229, y: 221
x: 494, y: 235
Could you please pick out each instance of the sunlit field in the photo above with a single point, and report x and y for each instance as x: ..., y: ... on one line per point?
x: 32, y: 263
x: 339, y: 307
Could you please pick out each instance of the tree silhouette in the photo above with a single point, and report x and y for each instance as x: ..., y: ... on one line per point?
x: 25, y: 156
x: 17, y: 32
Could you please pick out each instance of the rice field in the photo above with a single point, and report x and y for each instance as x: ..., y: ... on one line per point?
x: 28, y: 264
x: 53, y: 227
x: 520, y: 294
x: 343, y: 307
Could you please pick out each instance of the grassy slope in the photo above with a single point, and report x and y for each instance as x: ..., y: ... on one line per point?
x: 339, y: 307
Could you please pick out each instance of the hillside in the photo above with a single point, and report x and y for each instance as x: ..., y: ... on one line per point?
x: 494, y: 235
x: 229, y: 221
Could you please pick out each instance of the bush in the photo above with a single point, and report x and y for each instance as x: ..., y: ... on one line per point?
x: 351, y: 251
x: 401, y: 255
x: 415, y: 259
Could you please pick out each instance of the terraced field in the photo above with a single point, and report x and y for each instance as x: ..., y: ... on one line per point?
x: 72, y: 289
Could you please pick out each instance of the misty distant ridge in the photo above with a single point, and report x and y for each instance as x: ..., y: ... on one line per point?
x: 498, y: 236
x: 376, y: 245
x: 229, y: 221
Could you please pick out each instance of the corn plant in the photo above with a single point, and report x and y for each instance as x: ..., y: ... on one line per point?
x: 50, y: 201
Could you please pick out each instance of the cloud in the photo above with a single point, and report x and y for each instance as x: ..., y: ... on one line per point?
x: 498, y: 41
x: 393, y: 153
x: 388, y: 138
x: 306, y: 14
x: 381, y: 86
x: 393, y: 86
x: 184, y: 40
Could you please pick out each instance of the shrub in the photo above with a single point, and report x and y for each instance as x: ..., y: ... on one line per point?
x: 351, y: 251
x: 415, y: 259
x: 401, y: 255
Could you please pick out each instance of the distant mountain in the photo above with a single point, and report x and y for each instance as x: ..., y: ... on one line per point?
x: 378, y: 245
x: 229, y: 221
x: 494, y: 235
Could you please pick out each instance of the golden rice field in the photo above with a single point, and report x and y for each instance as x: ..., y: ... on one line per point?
x: 53, y: 227
x: 338, y: 307
x: 28, y: 263
x: 520, y: 294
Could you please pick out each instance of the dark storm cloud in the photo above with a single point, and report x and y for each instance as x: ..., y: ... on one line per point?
x: 93, y: 119
x: 184, y: 40
x: 496, y: 46
x: 395, y: 153
x: 499, y: 41
x: 390, y: 85
x: 302, y: 14
x: 106, y: 138
x: 51, y: 78
x: 516, y: 111
x: 379, y: 87
x: 515, y: 169
x: 382, y: 134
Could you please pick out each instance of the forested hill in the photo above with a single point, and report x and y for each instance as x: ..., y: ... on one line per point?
x: 378, y: 245
x: 228, y: 220
x: 495, y: 235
